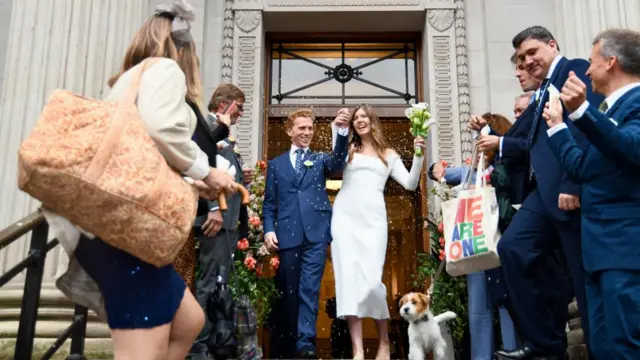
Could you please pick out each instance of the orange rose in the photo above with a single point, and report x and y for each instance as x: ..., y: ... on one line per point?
x: 274, y: 262
x: 441, y: 227
x: 444, y: 163
x: 441, y: 240
x: 243, y: 244
x: 467, y: 161
x: 250, y: 262
x: 262, y: 164
x: 442, y: 255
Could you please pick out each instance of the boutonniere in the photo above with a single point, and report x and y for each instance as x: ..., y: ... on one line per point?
x: 308, y: 163
x: 236, y: 149
x: 231, y: 138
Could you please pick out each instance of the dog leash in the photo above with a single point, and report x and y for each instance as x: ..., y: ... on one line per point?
x: 435, y: 277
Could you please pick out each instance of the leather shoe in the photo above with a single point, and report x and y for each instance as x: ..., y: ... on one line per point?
x: 525, y: 353
x: 307, y: 354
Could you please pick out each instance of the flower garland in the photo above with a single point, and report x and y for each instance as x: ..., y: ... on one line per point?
x: 253, y: 264
x: 449, y: 293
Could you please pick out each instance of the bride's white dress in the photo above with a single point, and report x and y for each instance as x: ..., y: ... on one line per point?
x: 359, y: 231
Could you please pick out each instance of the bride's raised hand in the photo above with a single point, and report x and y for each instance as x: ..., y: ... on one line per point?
x: 418, y: 142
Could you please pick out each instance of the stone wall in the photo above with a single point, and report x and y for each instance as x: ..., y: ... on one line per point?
x: 5, y: 20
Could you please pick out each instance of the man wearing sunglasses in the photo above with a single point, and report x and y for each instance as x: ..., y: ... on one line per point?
x: 218, y: 232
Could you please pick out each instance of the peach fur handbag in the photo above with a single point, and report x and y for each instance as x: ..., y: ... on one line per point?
x: 93, y: 162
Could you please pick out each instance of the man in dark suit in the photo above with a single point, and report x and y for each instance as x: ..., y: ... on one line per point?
x: 609, y: 168
x: 550, y: 211
x: 297, y: 224
x: 217, y: 232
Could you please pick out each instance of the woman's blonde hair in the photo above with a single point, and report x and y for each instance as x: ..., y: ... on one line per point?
x: 153, y: 39
x: 379, y: 143
x: 190, y: 65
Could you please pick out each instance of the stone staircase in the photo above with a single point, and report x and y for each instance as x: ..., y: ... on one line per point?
x: 577, y: 350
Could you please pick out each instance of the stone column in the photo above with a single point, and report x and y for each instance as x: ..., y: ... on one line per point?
x: 446, y: 82
x: 214, y: 13
x: 579, y: 21
x: 75, y: 45
x: 248, y: 60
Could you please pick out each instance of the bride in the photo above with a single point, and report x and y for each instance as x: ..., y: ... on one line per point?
x: 359, y: 227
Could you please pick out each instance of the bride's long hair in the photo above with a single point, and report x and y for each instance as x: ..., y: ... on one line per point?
x: 355, y: 141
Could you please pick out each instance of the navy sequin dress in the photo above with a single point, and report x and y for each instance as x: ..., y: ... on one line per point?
x: 136, y: 294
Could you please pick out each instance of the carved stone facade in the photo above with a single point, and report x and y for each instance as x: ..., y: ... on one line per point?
x: 247, y: 74
x: 465, y: 66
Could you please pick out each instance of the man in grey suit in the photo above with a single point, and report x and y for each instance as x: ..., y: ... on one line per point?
x: 218, y: 232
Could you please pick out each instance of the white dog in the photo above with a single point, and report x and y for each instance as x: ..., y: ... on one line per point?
x: 424, y: 328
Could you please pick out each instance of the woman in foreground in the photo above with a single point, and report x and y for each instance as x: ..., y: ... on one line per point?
x: 150, y: 312
x: 359, y: 226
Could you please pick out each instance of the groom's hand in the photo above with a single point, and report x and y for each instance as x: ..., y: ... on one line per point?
x: 342, y: 119
x: 271, y: 241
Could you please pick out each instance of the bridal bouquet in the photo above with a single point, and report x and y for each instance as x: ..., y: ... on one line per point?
x: 420, y: 121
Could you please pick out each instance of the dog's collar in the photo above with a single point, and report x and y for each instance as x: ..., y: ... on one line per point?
x: 423, y: 318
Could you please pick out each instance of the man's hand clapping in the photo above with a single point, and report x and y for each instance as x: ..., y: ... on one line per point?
x: 574, y: 92
x: 342, y: 119
x: 488, y: 143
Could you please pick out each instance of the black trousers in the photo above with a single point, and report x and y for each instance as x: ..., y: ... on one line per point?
x: 214, y: 251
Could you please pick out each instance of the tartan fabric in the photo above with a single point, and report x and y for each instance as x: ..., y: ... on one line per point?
x: 246, y: 325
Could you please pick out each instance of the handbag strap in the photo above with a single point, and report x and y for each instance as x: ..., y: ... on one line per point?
x: 131, y: 93
x: 113, y: 133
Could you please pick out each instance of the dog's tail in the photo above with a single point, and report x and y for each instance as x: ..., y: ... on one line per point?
x: 445, y: 316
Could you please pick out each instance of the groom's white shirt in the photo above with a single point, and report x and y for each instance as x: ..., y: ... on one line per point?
x: 292, y: 154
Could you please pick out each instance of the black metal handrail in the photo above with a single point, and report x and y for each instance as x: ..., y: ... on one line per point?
x: 34, y: 263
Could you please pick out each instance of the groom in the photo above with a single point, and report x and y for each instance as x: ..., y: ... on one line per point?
x: 297, y: 224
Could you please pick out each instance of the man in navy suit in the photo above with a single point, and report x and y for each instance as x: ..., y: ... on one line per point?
x: 297, y: 224
x: 550, y: 211
x: 609, y: 169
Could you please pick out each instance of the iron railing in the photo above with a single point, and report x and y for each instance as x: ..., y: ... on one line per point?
x: 34, y: 264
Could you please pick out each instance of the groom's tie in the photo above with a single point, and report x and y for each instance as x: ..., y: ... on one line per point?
x: 299, y: 159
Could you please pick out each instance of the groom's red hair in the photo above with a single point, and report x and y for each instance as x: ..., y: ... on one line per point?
x: 306, y: 113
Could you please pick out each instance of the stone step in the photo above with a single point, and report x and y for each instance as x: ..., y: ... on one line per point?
x: 578, y: 352
x: 573, y: 310
x: 575, y: 337
x: 98, y: 349
x: 575, y: 324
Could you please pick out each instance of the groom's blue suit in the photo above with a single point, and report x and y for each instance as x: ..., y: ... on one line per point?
x: 296, y: 207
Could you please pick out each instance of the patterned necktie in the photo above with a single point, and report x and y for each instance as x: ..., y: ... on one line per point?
x: 604, y: 107
x: 299, y: 159
x: 534, y: 127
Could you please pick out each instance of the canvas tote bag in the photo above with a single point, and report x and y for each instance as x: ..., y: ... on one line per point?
x: 471, y: 225
x: 93, y: 162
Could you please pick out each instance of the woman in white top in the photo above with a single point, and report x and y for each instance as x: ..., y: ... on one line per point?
x: 359, y: 226
x: 151, y: 313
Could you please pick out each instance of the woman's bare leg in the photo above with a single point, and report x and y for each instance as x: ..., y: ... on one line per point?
x: 185, y: 327
x: 141, y: 344
x: 384, y: 351
x: 355, y: 331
